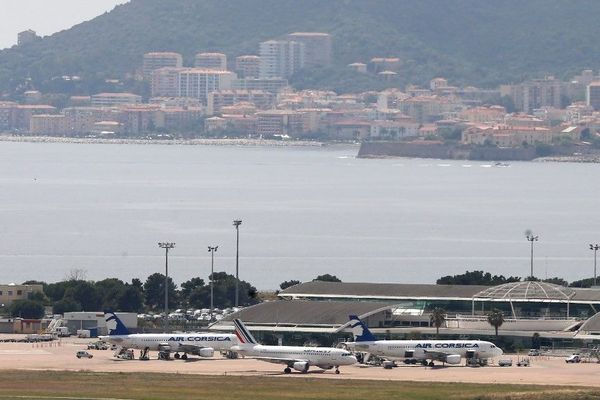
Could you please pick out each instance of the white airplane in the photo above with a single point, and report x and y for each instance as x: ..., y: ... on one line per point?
x: 199, y: 344
x: 413, y: 351
x: 296, y: 357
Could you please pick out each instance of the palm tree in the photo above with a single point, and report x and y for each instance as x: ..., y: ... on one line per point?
x: 437, y: 319
x: 496, y: 319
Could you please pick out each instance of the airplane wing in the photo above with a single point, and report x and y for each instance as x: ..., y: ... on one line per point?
x: 190, y: 348
x: 442, y: 356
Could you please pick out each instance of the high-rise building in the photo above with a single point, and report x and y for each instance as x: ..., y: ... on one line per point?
x: 27, y: 36
x: 281, y: 58
x: 211, y: 61
x: 317, y: 47
x: 197, y: 83
x: 593, y: 95
x: 247, y: 66
x: 536, y: 93
x: 156, y: 60
x: 165, y: 82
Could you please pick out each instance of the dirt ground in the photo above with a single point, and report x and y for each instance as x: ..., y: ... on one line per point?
x: 61, y: 356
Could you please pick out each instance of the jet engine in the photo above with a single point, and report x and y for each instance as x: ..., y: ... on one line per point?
x: 206, y: 352
x: 453, y: 359
x: 301, y: 366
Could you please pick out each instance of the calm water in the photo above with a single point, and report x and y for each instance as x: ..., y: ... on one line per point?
x: 305, y: 211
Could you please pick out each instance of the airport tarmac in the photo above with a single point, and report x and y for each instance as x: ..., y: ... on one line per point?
x: 61, y: 356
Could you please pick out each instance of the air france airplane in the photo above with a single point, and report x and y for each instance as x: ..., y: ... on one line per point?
x: 200, y: 344
x: 296, y: 357
x: 411, y: 351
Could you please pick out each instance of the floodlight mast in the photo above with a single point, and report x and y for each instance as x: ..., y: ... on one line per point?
x: 237, y: 224
x: 595, y: 248
x: 212, y: 250
x: 166, y: 246
x: 531, y: 238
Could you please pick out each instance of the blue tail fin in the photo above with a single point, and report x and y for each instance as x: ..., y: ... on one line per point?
x: 360, y: 331
x: 242, y: 333
x: 114, y: 325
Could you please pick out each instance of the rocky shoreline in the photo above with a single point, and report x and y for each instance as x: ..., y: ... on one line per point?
x: 172, y: 142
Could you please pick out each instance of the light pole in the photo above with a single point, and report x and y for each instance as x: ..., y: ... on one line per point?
x: 237, y: 224
x: 166, y: 246
x: 212, y: 250
x: 594, y: 247
x: 532, y: 239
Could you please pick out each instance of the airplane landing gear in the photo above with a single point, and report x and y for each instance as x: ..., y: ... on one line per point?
x: 424, y: 363
x: 184, y: 357
x: 176, y: 356
x: 287, y: 370
x: 337, y: 370
x: 431, y: 364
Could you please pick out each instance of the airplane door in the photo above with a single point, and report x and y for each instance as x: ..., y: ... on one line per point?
x: 409, y: 354
x: 470, y: 354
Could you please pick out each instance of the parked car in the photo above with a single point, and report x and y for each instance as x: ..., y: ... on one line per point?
x: 83, y: 354
x: 523, y: 362
x: 573, y: 358
x: 533, y: 352
x: 507, y: 362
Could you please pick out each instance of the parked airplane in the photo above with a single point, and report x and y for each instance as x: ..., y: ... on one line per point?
x: 412, y: 351
x: 199, y: 344
x: 296, y: 357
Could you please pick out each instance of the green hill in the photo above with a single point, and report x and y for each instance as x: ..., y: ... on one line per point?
x: 468, y: 41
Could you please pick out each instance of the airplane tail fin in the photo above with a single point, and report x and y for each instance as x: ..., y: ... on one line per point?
x: 243, y: 334
x: 114, y: 325
x: 360, y: 331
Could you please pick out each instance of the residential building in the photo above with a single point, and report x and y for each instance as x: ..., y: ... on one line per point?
x: 437, y: 83
x: 12, y: 292
x: 247, y: 66
x: 393, y: 130
x: 505, y: 136
x: 7, y: 115
x: 379, y: 64
x: 138, y: 119
x: 240, y: 125
x: 198, y: 83
x: 281, y: 58
x: 27, y: 36
x: 219, y: 99
x: 317, y: 47
x: 211, y: 61
x: 279, y: 123
x: 483, y: 114
x: 178, y: 119
x: 358, y: 67
x: 156, y: 60
x: 48, y: 124
x: 537, y: 93
x: 273, y: 85
x: 115, y: 99
x: 165, y: 82
x: 593, y: 95
x: 24, y: 112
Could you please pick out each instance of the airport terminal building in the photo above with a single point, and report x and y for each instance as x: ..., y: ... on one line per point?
x: 397, y: 310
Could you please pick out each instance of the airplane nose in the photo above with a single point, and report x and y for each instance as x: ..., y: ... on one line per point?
x: 499, y: 351
x: 353, y: 360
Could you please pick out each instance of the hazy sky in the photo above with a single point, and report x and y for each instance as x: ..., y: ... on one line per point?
x: 46, y: 16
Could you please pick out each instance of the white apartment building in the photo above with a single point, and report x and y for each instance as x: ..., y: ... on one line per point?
x: 211, y: 61
x: 281, y: 58
x: 115, y: 99
x: 197, y: 83
x: 156, y: 60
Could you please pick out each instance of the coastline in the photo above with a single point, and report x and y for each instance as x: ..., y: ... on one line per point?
x: 170, y: 142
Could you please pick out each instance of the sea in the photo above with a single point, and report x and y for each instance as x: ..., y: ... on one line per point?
x: 99, y: 210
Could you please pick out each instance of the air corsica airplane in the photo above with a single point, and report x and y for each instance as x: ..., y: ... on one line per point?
x: 411, y: 351
x: 199, y: 344
x: 296, y: 357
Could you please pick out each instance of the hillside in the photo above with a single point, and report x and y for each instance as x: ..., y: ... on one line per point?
x: 468, y: 41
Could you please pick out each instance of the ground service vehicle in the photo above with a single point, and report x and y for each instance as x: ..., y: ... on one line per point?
x: 573, y: 358
x: 83, y: 354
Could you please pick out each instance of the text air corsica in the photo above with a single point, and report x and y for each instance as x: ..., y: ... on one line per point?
x: 199, y: 339
x: 447, y: 345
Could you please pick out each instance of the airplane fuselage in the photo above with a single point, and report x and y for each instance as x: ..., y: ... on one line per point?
x: 426, y: 349
x: 324, y: 357
x: 174, y: 341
